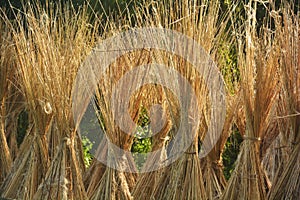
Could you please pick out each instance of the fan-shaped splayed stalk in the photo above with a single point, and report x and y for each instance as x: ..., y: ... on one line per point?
x: 64, y: 174
x: 213, y: 177
x: 28, y: 170
x: 177, y: 179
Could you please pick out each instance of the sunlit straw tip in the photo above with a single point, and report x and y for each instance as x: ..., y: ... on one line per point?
x: 48, y: 108
x: 274, y: 13
x: 252, y: 138
x: 67, y: 140
x: 165, y: 138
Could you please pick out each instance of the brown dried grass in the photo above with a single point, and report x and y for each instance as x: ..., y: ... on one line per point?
x: 183, y: 179
x: 287, y: 183
x: 6, y: 70
x: 260, y: 91
x: 49, y: 48
x: 213, y: 177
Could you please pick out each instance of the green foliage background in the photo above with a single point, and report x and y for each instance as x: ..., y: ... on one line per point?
x: 142, y: 142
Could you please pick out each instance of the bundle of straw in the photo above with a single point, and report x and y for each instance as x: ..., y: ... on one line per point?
x: 287, y: 185
x: 175, y: 180
x: 120, y: 161
x: 197, y: 20
x: 49, y: 48
x: 68, y: 41
x: 31, y: 163
x: 260, y: 91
